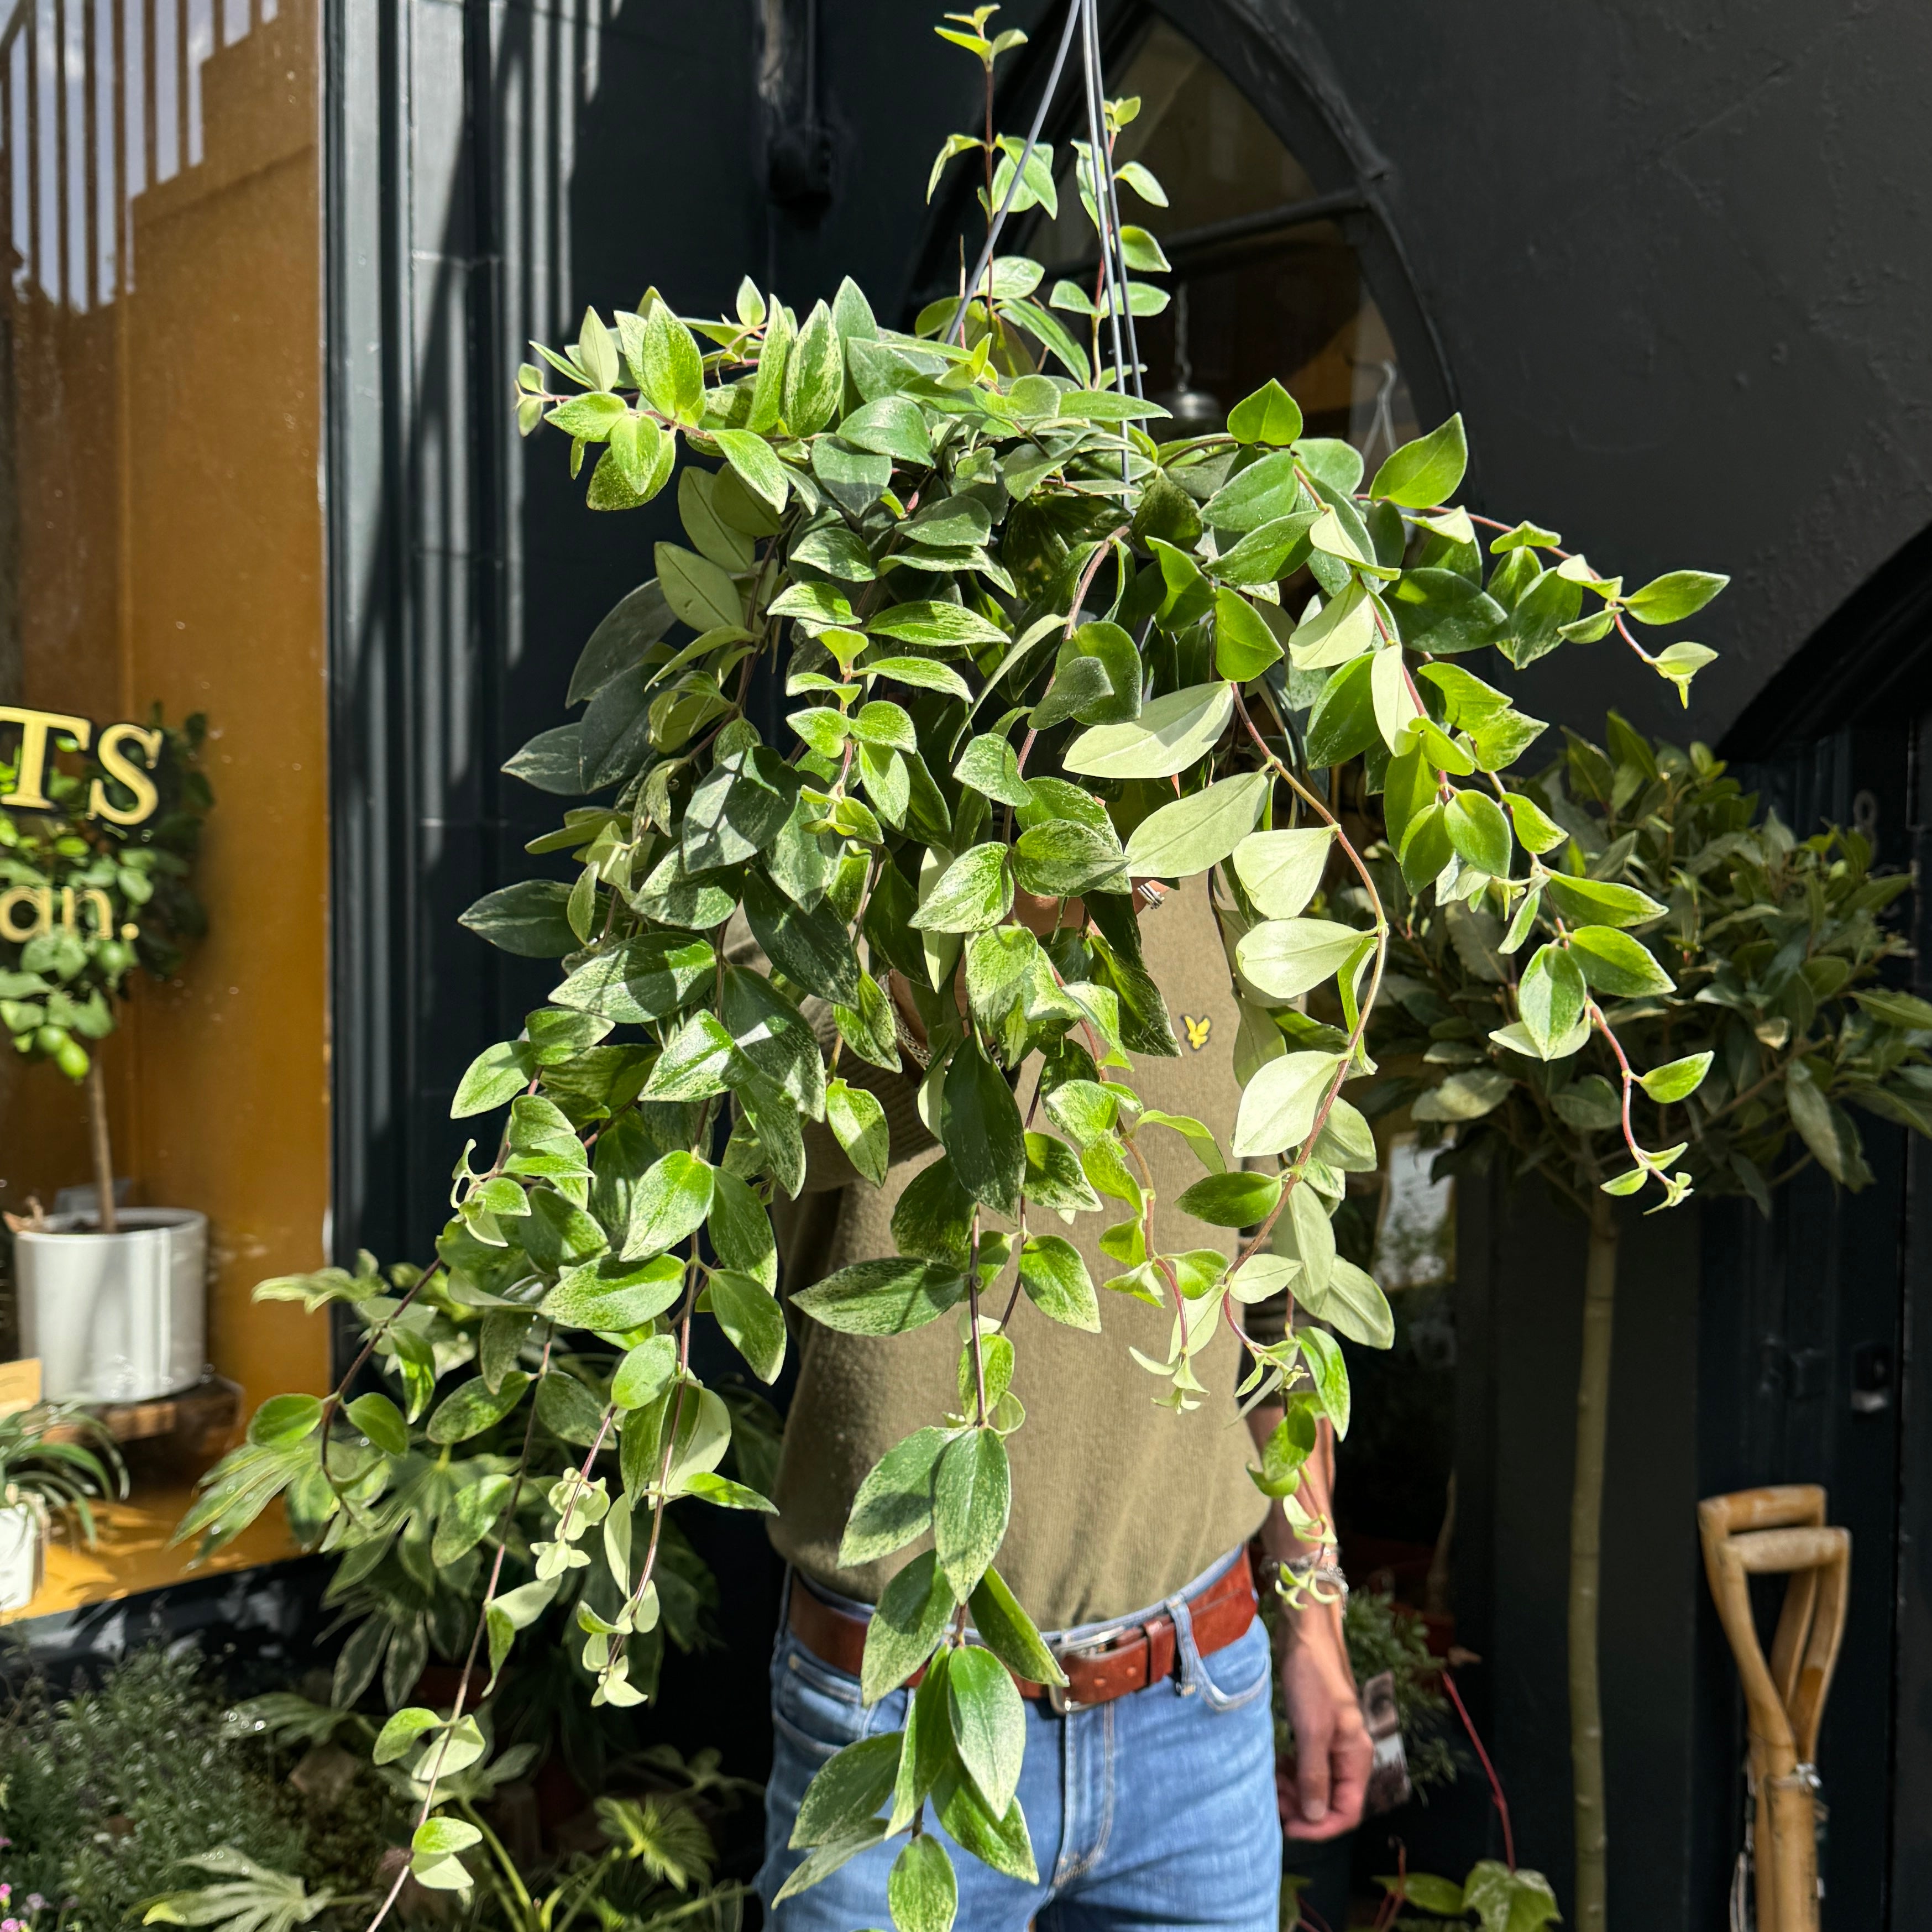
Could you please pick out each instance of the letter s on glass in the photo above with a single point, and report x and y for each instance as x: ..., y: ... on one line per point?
x: 121, y: 768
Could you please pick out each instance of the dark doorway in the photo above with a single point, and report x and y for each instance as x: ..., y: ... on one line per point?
x: 1812, y: 1347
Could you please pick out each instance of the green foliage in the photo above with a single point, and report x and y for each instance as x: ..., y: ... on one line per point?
x: 1676, y: 953
x: 113, y: 896
x: 1032, y: 653
x: 107, y: 1793
x: 242, y: 1896
x: 59, y: 1477
x: 1493, y: 1897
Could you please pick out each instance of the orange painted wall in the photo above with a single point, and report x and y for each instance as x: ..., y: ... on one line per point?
x: 167, y: 445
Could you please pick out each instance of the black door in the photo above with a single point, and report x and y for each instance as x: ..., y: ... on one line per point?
x: 1814, y: 1330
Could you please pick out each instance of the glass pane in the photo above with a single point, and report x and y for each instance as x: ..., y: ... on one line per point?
x: 1288, y: 301
x: 160, y: 558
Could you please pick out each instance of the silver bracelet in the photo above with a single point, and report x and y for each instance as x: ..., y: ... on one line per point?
x: 1304, y: 1579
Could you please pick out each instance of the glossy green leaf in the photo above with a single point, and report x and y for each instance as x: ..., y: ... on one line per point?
x: 1600, y: 901
x: 848, y: 1790
x: 1279, y: 1103
x: 751, y: 1320
x: 989, y: 1724
x: 1235, y: 1200
x: 921, y: 1891
x: 1284, y: 958
x: 1280, y: 871
x: 1057, y: 1284
x: 972, y: 1495
x: 645, y: 1373
x: 698, y: 590
x: 1270, y: 415
x: 669, y: 1206
x: 858, y: 1121
x: 381, y: 1421
x: 1479, y: 832
x: 1672, y: 597
x: 1426, y: 472
x: 285, y: 1419
x: 883, y: 1297
x: 1676, y: 1079
x: 1062, y: 857
x: 1178, y: 840
x: 1614, y: 963
x: 750, y: 456
x: 1170, y: 734
x: 472, y: 1406
x: 975, y: 891
x: 894, y: 1504
x: 912, y: 1614
x: 1244, y: 647
x: 979, y: 1127
x: 1353, y: 1305
x: 1550, y: 997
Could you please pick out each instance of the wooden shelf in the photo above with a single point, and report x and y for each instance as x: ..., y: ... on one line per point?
x: 204, y: 1422
x: 132, y: 1553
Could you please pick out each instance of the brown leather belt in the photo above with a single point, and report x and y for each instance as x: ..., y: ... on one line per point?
x: 1109, y: 1664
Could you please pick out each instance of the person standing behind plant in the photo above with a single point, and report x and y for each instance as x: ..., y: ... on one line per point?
x: 1152, y: 1796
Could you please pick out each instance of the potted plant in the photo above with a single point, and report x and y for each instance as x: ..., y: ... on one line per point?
x: 1681, y: 993
x: 43, y: 1477
x: 94, y: 882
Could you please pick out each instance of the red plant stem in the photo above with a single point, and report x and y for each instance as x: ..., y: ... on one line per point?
x: 1489, y: 1770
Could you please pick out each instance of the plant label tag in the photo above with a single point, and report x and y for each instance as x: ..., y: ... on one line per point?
x: 19, y: 1384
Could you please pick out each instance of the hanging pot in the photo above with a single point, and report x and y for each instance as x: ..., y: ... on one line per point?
x: 23, y: 1554
x: 119, y: 1317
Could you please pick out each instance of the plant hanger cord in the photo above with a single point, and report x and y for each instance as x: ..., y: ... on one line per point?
x: 986, y: 261
x: 1107, y: 203
x: 1096, y: 137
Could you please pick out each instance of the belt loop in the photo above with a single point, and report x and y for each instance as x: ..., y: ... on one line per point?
x: 1189, y: 1655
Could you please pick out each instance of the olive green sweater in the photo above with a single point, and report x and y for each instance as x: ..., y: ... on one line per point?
x: 1117, y: 1502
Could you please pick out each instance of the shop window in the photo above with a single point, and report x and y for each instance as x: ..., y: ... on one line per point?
x: 1265, y: 282
x: 161, y: 561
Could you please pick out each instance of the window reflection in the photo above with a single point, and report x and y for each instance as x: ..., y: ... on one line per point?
x: 1285, y: 297
x: 99, y: 100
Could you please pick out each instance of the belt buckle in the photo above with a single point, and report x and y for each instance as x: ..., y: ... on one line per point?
x: 1058, y: 1701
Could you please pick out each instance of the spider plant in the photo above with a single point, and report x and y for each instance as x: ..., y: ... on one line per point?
x: 53, y: 1474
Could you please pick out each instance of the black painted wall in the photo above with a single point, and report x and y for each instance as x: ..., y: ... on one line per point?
x: 1678, y: 254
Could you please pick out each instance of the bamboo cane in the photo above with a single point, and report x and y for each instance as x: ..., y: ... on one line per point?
x: 1772, y: 1531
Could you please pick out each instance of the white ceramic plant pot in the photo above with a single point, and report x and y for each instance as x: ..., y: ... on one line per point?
x: 115, y: 1317
x: 22, y: 1555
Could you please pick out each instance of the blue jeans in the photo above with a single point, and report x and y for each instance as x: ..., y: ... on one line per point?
x: 1157, y: 1809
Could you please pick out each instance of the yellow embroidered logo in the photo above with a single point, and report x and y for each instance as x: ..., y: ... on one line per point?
x: 1198, y: 1031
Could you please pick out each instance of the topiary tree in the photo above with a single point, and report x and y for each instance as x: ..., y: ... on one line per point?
x: 1031, y: 649
x: 1664, y: 924
x: 94, y: 881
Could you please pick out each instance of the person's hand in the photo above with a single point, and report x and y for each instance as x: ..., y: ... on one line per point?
x: 1333, y: 1750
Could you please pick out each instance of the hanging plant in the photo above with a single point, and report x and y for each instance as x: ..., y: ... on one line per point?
x: 1030, y: 650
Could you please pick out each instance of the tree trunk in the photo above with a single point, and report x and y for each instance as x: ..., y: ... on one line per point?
x: 1590, y: 1911
x: 105, y: 1218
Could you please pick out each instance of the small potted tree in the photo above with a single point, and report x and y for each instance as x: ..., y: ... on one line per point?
x: 44, y: 1478
x: 1678, y: 993
x: 94, y: 883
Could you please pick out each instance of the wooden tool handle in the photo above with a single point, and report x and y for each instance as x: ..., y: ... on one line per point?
x: 1777, y: 1507
x: 1755, y: 1532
